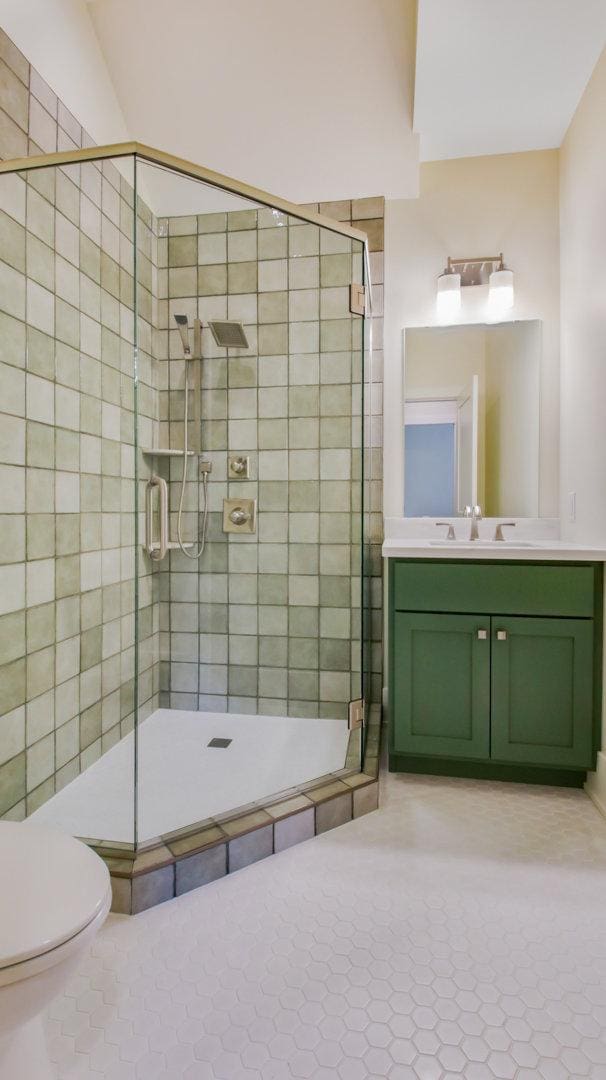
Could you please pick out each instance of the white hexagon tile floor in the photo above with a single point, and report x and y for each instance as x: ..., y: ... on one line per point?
x: 460, y: 931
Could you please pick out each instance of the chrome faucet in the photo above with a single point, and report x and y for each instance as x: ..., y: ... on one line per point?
x: 450, y: 535
x: 498, y: 533
x: 475, y: 513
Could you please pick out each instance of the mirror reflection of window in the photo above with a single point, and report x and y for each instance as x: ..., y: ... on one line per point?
x: 472, y: 419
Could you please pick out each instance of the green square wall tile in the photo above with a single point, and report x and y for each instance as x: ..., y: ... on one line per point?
x: 242, y: 371
x: 304, y: 558
x: 273, y: 339
x: 335, y: 270
x: 182, y: 251
x: 272, y: 682
x: 303, y: 622
x: 335, y: 655
x: 12, y: 538
x: 40, y: 627
x: 12, y: 782
x: 335, y: 335
x: 209, y: 223
x: 273, y: 651
x: 303, y: 653
x: 303, y: 685
x: 303, y: 401
x: 273, y: 307
x: 242, y: 219
x: 12, y: 242
x: 241, y: 277
x: 272, y: 620
x: 273, y: 589
x: 12, y: 685
x: 12, y: 643
x: 90, y: 725
x: 243, y: 649
x: 40, y: 536
x: 243, y: 681
x: 335, y: 400
x: 273, y: 243
x: 40, y: 445
x: 212, y: 280
x: 272, y: 434
x: 334, y: 591
x: 303, y: 432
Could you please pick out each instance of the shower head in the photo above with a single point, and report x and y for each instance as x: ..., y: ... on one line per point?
x: 229, y: 335
x: 181, y: 321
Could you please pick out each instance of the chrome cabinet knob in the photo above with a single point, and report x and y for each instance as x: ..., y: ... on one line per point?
x: 482, y: 635
x: 501, y: 635
x: 239, y: 516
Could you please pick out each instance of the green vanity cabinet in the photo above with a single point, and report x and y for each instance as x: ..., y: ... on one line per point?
x: 441, y: 685
x: 495, y: 668
x: 542, y: 692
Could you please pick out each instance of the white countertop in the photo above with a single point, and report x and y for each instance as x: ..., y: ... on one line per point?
x: 540, y: 551
x: 535, y: 540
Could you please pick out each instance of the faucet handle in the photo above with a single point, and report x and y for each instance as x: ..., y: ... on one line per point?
x: 450, y: 535
x: 467, y: 511
x: 498, y: 533
x: 477, y: 512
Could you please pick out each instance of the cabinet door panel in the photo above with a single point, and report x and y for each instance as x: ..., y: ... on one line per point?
x: 542, y: 691
x: 441, y: 685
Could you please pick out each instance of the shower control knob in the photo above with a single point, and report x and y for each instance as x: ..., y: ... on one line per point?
x: 238, y: 465
x: 239, y: 516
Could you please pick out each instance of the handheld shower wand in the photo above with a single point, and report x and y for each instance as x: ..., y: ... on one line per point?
x: 182, y: 326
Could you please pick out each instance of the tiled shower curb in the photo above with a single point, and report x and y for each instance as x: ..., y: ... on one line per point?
x: 191, y: 858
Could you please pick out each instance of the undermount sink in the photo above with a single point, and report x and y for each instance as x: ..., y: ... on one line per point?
x: 473, y: 544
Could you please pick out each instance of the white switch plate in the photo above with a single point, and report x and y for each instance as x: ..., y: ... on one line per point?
x: 572, y: 506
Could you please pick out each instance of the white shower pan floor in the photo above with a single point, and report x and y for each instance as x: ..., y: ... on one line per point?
x: 181, y: 780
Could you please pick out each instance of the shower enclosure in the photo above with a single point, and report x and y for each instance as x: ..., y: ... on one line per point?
x: 185, y: 603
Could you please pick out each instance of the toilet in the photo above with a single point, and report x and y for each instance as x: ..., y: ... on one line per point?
x: 55, y: 894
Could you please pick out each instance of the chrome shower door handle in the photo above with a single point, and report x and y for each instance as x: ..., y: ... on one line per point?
x: 156, y: 550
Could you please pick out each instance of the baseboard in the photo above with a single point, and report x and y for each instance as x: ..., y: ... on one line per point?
x: 595, y: 785
x: 475, y: 770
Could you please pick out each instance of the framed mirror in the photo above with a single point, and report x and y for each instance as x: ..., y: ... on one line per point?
x: 472, y: 419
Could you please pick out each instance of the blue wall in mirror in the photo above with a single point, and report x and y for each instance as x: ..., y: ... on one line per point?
x: 429, y: 470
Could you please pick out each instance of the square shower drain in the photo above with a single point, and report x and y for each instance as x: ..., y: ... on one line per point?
x: 219, y: 744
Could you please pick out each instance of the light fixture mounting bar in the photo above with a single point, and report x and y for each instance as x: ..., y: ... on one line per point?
x: 476, y: 261
x: 475, y: 271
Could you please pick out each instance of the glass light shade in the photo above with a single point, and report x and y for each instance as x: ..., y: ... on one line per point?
x: 500, y: 290
x: 448, y: 299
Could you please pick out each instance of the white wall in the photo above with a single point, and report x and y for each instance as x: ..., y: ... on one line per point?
x: 58, y: 38
x: 583, y: 239
x: 467, y: 207
x: 583, y: 306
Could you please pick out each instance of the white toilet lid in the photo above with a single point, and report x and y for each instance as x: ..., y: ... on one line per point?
x: 51, y: 888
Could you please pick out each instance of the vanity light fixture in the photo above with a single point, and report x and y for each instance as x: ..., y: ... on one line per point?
x: 461, y: 273
x: 448, y: 300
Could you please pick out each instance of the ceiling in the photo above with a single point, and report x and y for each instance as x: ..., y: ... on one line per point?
x: 312, y: 101
x: 501, y: 76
